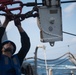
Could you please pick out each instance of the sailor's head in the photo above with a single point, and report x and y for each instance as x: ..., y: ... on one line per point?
x: 8, y: 46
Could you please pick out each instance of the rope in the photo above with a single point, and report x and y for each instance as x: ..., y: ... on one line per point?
x: 69, y: 33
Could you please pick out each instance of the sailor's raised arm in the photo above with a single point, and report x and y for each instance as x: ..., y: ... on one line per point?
x: 5, y: 23
x: 25, y: 41
x: 2, y: 29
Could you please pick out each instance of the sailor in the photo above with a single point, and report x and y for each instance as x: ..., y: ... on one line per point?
x: 10, y: 63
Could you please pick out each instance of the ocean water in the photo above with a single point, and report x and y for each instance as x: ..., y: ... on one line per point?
x: 53, y: 67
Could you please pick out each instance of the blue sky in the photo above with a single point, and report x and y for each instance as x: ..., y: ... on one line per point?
x: 30, y: 26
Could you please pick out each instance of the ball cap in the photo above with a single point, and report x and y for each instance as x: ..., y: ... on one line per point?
x: 5, y: 42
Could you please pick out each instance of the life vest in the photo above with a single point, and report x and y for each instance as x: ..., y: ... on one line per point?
x: 9, y: 66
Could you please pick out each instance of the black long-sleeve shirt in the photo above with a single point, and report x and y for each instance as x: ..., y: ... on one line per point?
x: 25, y: 44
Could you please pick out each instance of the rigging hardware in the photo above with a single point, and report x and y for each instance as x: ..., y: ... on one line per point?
x: 51, y: 6
x: 4, y: 6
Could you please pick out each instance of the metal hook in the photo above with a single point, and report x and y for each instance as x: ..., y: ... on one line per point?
x: 52, y: 43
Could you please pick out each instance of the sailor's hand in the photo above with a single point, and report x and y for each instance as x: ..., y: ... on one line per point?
x: 9, y: 17
x: 35, y: 8
x: 23, y: 16
x: 17, y: 22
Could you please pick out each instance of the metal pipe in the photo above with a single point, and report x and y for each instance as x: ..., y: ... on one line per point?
x: 36, y: 60
x: 68, y: 1
x: 35, y: 57
x: 69, y: 33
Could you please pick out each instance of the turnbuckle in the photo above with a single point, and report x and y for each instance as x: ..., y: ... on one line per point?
x: 3, y: 6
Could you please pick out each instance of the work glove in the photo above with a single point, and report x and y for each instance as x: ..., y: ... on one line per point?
x: 17, y: 22
x: 23, y: 16
x: 35, y: 8
x: 26, y: 15
x: 9, y: 16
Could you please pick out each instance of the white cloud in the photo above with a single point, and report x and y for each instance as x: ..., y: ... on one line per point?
x: 2, y: 18
x: 74, y: 39
x: 70, y: 9
x: 71, y: 40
